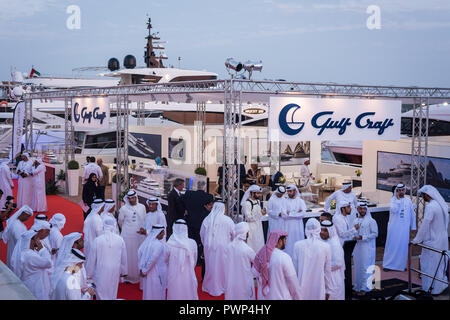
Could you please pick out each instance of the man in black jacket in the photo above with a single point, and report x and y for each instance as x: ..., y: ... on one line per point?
x: 176, y: 209
x: 198, y: 205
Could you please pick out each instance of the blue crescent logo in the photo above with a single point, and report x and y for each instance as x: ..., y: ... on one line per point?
x: 285, y: 124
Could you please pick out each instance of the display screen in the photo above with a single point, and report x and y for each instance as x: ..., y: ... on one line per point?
x: 394, y: 168
x: 144, y: 145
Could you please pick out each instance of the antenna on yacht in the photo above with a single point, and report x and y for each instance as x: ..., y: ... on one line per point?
x: 151, y: 59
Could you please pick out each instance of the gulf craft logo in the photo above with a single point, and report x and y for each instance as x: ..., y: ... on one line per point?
x: 324, y: 121
x: 286, y: 120
x: 87, y: 115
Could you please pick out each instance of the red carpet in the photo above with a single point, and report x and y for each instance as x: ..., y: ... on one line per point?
x: 74, y: 223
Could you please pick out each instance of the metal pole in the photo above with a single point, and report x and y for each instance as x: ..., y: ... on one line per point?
x: 409, y: 267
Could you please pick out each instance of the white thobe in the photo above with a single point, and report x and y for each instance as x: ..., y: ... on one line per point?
x: 106, y: 214
x: 35, y: 276
x: 294, y: 222
x: 154, y: 218
x: 336, y: 284
x: 92, y: 168
x: 253, y: 218
x: 239, y: 284
x: 39, y: 202
x: 93, y: 227
x: 276, y: 209
x: 364, y: 253
x: 69, y: 288
x: 283, y: 283
x: 214, y: 279
x: 25, y: 191
x: 345, y: 227
x: 107, y: 261
x: 6, y: 184
x: 339, y: 196
x: 55, y: 238
x: 312, y: 262
x: 401, y: 220
x: 181, y: 280
x: 433, y: 233
x: 15, y: 231
x: 154, y: 268
x: 131, y: 220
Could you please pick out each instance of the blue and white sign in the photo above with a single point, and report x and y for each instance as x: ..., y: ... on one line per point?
x: 91, y: 113
x: 305, y: 119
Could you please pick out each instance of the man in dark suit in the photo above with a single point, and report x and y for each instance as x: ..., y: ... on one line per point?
x: 198, y: 205
x: 176, y: 209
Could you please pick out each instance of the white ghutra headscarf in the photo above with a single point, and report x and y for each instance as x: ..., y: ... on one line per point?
x: 435, y: 195
x: 212, y: 225
x: 252, y: 188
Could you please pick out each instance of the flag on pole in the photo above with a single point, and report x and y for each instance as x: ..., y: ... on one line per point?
x: 34, y: 72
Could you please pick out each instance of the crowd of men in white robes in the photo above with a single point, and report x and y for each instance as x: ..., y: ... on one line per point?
x: 297, y: 262
x: 31, y: 183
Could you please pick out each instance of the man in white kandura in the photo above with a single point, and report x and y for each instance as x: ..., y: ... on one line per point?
x: 365, y: 249
x: 55, y: 238
x: 71, y: 241
x: 131, y: 220
x: 239, y: 257
x: 39, y: 199
x: 14, y: 228
x: 25, y: 181
x: 182, y: 258
x: 154, y: 216
x: 312, y: 261
x: 107, y: 262
x: 343, y: 195
x: 277, y: 279
x: 336, y: 284
x: 306, y: 178
x: 69, y: 286
x: 251, y: 207
x: 153, y: 265
x: 216, y: 232
x: 36, y: 262
x: 402, y: 220
x: 344, y: 221
x: 433, y: 233
x: 6, y: 182
x: 93, y: 225
x: 293, y: 221
x: 276, y: 209
x: 108, y: 211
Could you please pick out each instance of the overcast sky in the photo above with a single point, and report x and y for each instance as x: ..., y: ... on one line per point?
x: 309, y: 41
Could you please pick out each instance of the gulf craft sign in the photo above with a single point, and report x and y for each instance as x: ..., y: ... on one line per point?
x: 92, y: 112
x: 303, y: 119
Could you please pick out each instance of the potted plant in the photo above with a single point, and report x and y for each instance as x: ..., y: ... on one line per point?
x: 358, y: 172
x: 200, y: 171
x: 73, y: 176
x: 114, y: 185
x: 61, y: 180
x: 51, y: 188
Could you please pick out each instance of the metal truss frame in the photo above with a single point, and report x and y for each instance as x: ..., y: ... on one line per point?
x: 231, y: 182
x: 121, y: 146
x: 231, y: 93
x: 419, y: 151
x: 200, y: 123
x: 69, y: 132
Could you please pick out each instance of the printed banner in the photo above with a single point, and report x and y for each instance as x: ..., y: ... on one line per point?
x: 305, y: 119
x: 18, y: 124
x: 91, y: 113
